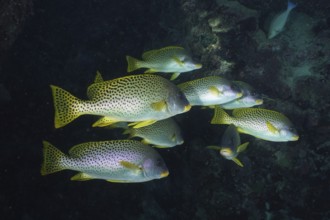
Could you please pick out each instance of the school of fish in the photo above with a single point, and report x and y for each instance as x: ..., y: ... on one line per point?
x: 144, y: 105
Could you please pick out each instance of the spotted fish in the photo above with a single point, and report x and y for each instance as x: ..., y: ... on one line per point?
x: 211, y: 90
x: 170, y: 59
x: 126, y: 161
x: 261, y: 123
x: 141, y: 99
x: 162, y: 134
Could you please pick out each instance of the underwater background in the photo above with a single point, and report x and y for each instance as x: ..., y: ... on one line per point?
x: 65, y: 42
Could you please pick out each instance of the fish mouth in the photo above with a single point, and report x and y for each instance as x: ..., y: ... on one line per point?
x: 198, y: 66
x: 295, y: 137
x: 187, y: 108
x: 259, y: 101
x: 164, y: 174
x: 238, y: 95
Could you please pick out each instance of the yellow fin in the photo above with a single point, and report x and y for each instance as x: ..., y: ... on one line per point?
x: 145, y: 141
x: 52, y: 159
x: 271, y: 128
x: 214, y: 91
x: 98, y: 77
x: 141, y: 124
x: 173, y: 137
x: 174, y: 76
x: 130, y: 165
x: 133, y: 64
x: 238, y: 162
x: 221, y: 117
x: 160, y: 147
x: 67, y: 106
x: 151, y: 71
x: 178, y: 61
x: 242, y: 147
x: 214, y: 147
x: 118, y: 181
x: 159, y: 106
x: 104, y: 121
x: 81, y: 177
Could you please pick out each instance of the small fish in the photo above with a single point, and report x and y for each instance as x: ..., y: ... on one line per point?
x: 262, y: 123
x: 141, y: 99
x: 122, y: 161
x: 231, y: 145
x: 250, y: 97
x: 211, y: 90
x: 278, y: 22
x: 167, y: 60
x: 162, y: 134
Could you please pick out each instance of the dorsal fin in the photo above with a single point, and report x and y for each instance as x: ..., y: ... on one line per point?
x: 98, y: 77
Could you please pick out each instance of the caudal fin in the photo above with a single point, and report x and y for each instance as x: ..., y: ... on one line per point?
x: 220, y: 116
x: 132, y: 64
x: 67, y: 107
x: 53, y: 159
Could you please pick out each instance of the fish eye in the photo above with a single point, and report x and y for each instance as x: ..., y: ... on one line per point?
x: 235, y: 87
x: 159, y: 162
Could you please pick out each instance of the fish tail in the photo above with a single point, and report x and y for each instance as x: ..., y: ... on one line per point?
x: 53, y: 159
x: 132, y: 63
x: 291, y: 5
x: 67, y: 107
x: 220, y: 116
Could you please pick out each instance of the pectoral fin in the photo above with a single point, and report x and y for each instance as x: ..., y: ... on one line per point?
x: 159, y: 106
x: 214, y: 147
x: 104, y: 121
x: 214, y: 91
x: 239, y: 163
x: 141, y: 124
x: 178, y: 61
x: 271, y: 127
x: 81, y: 177
x: 131, y: 166
x: 242, y: 147
x: 174, y: 76
x: 151, y: 71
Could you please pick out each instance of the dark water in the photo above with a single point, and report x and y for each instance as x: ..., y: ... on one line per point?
x: 65, y: 42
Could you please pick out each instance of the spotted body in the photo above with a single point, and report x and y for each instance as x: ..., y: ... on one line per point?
x: 211, y: 90
x: 142, y: 98
x: 261, y: 123
x: 114, y: 161
x: 170, y: 59
x: 162, y: 134
x: 249, y: 98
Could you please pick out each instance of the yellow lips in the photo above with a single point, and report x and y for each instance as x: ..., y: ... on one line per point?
x: 198, y: 66
x: 238, y: 95
x: 295, y: 137
x: 187, y: 108
x: 259, y: 101
x: 164, y: 174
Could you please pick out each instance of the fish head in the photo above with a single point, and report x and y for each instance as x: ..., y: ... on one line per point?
x: 251, y: 99
x: 230, y: 91
x: 177, y: 102
x: 184, y: 63
x: 176, y: 138
x: 289, y: 134
x: 228, y: 153
x: 154, y: 168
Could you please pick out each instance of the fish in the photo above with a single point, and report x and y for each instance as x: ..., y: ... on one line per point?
x: 162, y: 134
x: 140, y: 99
x: 231, y: 145
x: 210, y: 90
x: 261, y: 123
x: 172, y: 59
x: 120, y: 161
x: 250, y: 97
x: 278, y: 22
